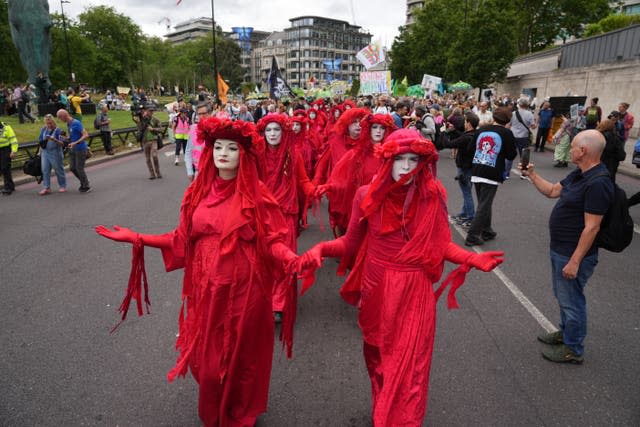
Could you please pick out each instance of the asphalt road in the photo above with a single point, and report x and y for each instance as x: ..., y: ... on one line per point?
x: 61, y: 285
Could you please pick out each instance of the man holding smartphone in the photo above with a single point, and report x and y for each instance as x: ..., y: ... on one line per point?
x: 584, y: 197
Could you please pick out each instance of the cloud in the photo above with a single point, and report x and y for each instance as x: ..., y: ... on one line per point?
x: 380, y: 17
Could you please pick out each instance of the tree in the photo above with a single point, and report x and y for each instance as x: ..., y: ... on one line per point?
x: 117, y: 40
x: 82, y: 52
x: 610, y: 23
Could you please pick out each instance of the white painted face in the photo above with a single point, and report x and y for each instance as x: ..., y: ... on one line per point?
x: 273, y: 134
x: 336, y: 114
x: 403, y: 164
x: 355, y: 129
x: 377, y: 132
x: 312, y: 115
x: 226, y: 155
x: 296, y: 127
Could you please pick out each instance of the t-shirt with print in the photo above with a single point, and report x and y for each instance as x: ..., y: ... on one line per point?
x: 493, y: 144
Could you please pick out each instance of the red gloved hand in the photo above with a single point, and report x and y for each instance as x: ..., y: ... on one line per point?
x: 119, y: 234
x: 486, y: 261
x: 320, y: 191
x: 310, y: 260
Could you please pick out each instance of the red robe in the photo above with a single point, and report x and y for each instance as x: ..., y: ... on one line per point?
x: 226, y: 324
x: 337, y: 147
x: 391, y: 284
x: 355, y: 169
x: 285, y: 176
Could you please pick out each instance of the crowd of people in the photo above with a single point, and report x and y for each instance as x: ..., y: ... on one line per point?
x: 256, y: 171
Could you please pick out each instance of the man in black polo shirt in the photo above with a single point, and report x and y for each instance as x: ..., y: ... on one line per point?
x: 584, y: 197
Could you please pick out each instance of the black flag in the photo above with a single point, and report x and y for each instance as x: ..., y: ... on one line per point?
x: 278, y: 85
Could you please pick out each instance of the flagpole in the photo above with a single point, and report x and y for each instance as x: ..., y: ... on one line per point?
x: 215, y: 61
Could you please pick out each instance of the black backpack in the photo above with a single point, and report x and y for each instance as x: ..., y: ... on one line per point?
x: 616, y: 229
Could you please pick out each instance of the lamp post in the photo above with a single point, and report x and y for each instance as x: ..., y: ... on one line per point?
x: 215, y: 62
x: 66, y: 40
x: 139, y: 61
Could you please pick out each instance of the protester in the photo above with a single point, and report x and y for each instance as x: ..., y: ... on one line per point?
x: 584, y: 197
x: 195, y: 145
x: 522, y: 122
x: 356, y: 168
x: 562, y: 140
x: 400, y: 238
x: 494, y: 145
x: 400, y: 112
x: 8, y: 150
x: 613, y: 152
x: 244, y: 114
x: 282, y: 169
x: 149, y: 128
x: 230, y: 241
x: 51, y: 155
x: 545, y: 120
x: 484, y: 115
x: 103, y: 122
x: 627, y: 119
x: 23, y: 105
x: 465, y: 145
x: 77, y: 148
x: 181, y: 125
x: 75, y: 100
x: 593, y: 114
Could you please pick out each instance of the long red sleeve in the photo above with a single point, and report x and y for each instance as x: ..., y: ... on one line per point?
x: 348, y: 244
x: 456, y: 254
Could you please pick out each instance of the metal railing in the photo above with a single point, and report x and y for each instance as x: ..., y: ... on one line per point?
x: 120, y: 137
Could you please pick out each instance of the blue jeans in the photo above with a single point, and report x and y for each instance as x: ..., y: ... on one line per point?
x: 55, y: 160
x: 571, y: 299
x: 468, y: 209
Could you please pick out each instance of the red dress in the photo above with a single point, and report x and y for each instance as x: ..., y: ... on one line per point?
x: 285, y: 176
x: 337, y: 146
x: 226, y: 324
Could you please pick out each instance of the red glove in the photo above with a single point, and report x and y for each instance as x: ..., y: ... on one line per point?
x: 486, y: 261
x: 119, y: 234
x: 122, y: 234
x: 310, y: 260
x: 321, y: 190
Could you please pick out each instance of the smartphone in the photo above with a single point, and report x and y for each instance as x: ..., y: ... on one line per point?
x: 524, y: 158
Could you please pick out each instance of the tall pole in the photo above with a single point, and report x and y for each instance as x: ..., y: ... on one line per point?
x: 299, y: 59
x: 215, y: 60
x: 66, y: 40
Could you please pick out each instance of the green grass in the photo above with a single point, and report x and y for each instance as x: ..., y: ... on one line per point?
x: 30, y: 131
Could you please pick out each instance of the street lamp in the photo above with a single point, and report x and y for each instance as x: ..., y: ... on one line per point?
x: 215, y: 61
x: 139, y: 61
x: 66, y: 40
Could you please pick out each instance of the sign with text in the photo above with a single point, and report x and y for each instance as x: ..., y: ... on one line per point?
x: 371, y: 55
x: 431, y: 82
x: 375, y: 82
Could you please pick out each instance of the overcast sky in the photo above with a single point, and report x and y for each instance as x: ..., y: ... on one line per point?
x: 380, y: 17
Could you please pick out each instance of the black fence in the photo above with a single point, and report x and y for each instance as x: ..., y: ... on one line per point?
x: 120, y: 138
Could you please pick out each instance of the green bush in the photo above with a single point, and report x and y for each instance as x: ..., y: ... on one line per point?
x: 610, y: 23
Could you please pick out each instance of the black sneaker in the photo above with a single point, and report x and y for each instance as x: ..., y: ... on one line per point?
x: 562, y: 354
x: 471, y: 241
x: 488, y: 235
x: 552, y: 338
x: 277, y: 316
x: 6, y: 192
x: 85, y: 190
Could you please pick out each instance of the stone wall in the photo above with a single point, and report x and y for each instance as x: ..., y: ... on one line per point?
x: 612, y: 83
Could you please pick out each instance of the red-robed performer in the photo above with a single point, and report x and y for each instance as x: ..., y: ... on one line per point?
x: 400, y: 233
x: 283, y: 170
x: 302, y: 140
x: 356, y: 168
x: 343, y: 138
x: 317, y: 122
x: 230, y: 240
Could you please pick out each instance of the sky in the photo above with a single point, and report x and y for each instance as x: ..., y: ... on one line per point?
x: 381, y: 18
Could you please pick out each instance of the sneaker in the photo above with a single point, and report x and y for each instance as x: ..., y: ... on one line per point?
x: 6, y: 192
x: 177, y: 162
x: 44, y: 191
x: 152, y: 177
x: 562, y: 354
x: 85, y: 190
x: 488, y: 235
x: 470, y: 241
x: 466, y: 224
x: 159, y: 176
x: 551, y: 338
x: 62, y: 190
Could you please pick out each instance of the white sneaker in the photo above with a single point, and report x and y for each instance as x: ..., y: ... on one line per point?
x: 177, y: 162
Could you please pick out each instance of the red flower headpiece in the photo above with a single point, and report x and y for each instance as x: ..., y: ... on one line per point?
x: 300, y: 113
x: 318, y: 102
x: 407, y: 141
x: 281, y: 119
x: 212, y: 128
x: 348, y: 103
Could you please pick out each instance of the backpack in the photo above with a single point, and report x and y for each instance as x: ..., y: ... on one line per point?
x: 592, y: 115
x: 437, y: 136
x: 636, y: 154
x: 616, y: 229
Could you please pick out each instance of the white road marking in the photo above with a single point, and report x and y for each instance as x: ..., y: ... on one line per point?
x: 522, y: 299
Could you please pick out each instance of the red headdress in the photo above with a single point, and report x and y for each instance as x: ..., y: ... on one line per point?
x: 281, y: 119
x: 369, y: 120
x: 400, y: 202
x: 348, y: 103
x: 299, y: 116
x: 319, y: 102
x: 300, y: 113
x: 353, y: 115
